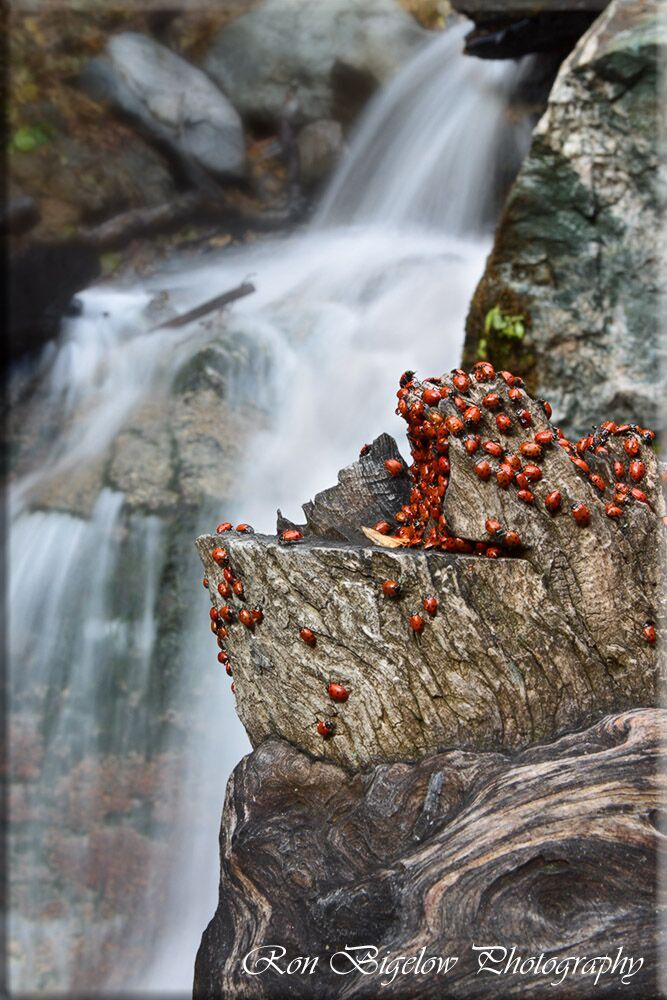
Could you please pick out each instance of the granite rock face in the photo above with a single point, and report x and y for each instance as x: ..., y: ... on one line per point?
x: 534, y: 852
x: 327, y: 52
x: 578, y: 246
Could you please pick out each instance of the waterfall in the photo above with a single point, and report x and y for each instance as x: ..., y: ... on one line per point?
x: 113, y: 850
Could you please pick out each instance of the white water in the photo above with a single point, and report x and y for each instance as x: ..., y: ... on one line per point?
x: 378, y: 283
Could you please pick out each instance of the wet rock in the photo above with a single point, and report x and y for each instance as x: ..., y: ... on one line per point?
x: 533, y: 852
x: 320, y: 145
x: 578, y: 246
x: 261, y: 53
x: 172, y: 100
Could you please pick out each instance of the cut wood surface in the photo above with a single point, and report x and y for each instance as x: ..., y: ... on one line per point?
x: 552, y: 851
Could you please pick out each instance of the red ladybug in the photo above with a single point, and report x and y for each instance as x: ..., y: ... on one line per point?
x: 308, y: 636
x: 290, y: 536
x: 544, y: 437
x: 245, y: 617
x: 382, y: 527
x: 245, y: 529
x: 214, y: 627
x: 233, y: 687
x: 406, y: 378
x: 503, y: 423
x: 472, y: 415
x: 507, y: 377
x: 491, y: 401
x: 638, y: 495
x: 227, y: 613
x: 512, y: 539
x: 416, y: 623
x: 493, y: 552
x: 224, y: 589
x: 365, y: 448
x: 649, y: 633
x: 631, y: 445
x: 338, y: 692
x: 431, y: 605
x: 222, y: 635
x: 237, y: 587
x: 531, y: 449
x: 257, y: 615
x: 503, y: 478
x: 220, y: 556
x: 224, y: 526
x: 325, y: 728
x: 391, y: 588
x: 553, y: 500
x: 581, y: 514
x: 393, y: 466
x: 526, y: 496
x: 484, y: 372
x: 525, y: 418
x: 580, y: 464
x: 637, y: 470
x: 483, y: 469
x: 532, y: 473
x: 598, y: 482
x: 223, y: 656
x: 431, y: 397
x: 460, y: 404
x: 454, y: 425
x: 611, y: 510
x: 546, y: 406
x: 619, y: 470
x: 461, y: 382
x: 514, y: 394
x: 492, y: 448
x: 228, y: 670
x: 493, y: 526
x: 213, y: 614
x: 228, y: 575
x: 205, y: 582
x: 471, y: 444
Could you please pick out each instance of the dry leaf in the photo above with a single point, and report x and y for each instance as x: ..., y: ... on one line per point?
x: 388, y: 541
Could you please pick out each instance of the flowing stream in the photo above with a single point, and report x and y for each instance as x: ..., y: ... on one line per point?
x: 107, y: 891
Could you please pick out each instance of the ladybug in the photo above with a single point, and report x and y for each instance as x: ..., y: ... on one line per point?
x: 405, y: 378
x: 245, y: 529
x: 553, y: 500
x: 431, y: 605
x: 639, y: 495
x: 416, y: 623
x: 491, y: 401
x: 227, y: 613
x: 233, y: 687
x: 507, y: 377
x: 484, y: 372
x: 514, y: 394
x: 631, y: 446
x: 504, y: 478
x: 223, y: 656
x: 514, y: 462
x: 619, y: 470
x: 611, y: 510
x: 214, y: 627
x: 393, y: 466
x: 544, y: 437
x: 382, y: 527
x: 546, y: 406
x: 228, y: 670
x: 391, y: 588
x: 460, y: 404
x: 237, y: 587
x: 246, y: 618
x: 526, y: 496
x: 308, y: 636
x: 581, y: 464
x: 325, y: 728
x: 492, y: 526
x: 365, y: 448
x: 205, y: 582
x: 431, y: 397
x: 222, y: 635
x: 493, y: 552
x: 224, y: 589
x: 483, y: 469
x: 493, y: 448
x: 581, y: 514
x: 338, y: 692
x: 503, y: 423
x: 532, y: 473
x: 512, y: 539
x: 257, y: 615
x: 471, y: 444
x: 290, y: 536
x: 220, y: 556
x: 598, y: 482
x: 228, y: 575
x: 454, y: 425
x: 461, y: 382
x: 224, y: 526
x: 522, y: 481
x: 649, y: 633
x: 525, y: 418
x: 531, y: 449
x: 472, y: 415
x: 636, y: 471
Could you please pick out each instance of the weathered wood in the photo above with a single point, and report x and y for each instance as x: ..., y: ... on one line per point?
x: 552, y: 851
x: 219, y: 302
x: 520, y: 649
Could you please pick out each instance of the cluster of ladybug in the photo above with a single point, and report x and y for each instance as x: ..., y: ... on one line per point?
x: 223, y: 618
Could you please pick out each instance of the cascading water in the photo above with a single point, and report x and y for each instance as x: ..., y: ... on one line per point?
x: 115, y: 790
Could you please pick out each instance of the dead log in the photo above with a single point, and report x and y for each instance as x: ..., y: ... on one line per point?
x: 550, y: 852
x: 550, y: 635
x: 219, y: 302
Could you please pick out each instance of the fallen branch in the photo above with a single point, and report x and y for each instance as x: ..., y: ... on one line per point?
x: 245, y: 288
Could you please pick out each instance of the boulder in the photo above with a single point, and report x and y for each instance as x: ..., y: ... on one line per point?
x: 530, y: 636
x: 318, y: 47
x: 528, y: 854
x: 578, y: 247
x: 172, y: 100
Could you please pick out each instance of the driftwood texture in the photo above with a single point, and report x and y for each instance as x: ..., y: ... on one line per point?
x: 521, y: 648
x: 550, y: 851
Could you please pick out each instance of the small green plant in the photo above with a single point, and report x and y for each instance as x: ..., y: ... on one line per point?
x: 500, y: 324
x: 29, y: 137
